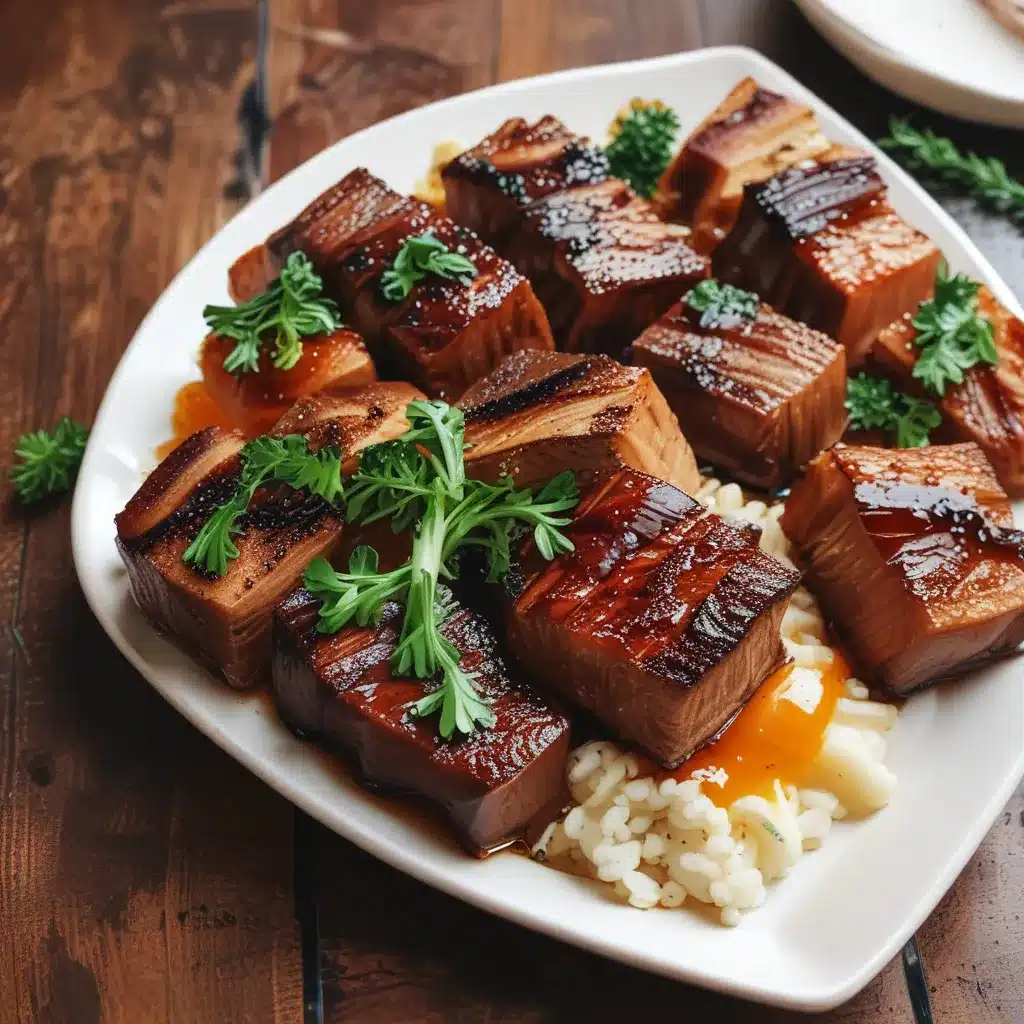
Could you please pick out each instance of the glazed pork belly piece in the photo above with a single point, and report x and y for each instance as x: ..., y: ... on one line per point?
x: 758, y: 398
x: 751, y: 135
x: 913, y: 556
x: 662, y: 622
x: 988, y: 407
x: 446, y: 333
x: 821, y: 244
x: 339, y: 688
x: 254, y: 402
x: 540, y: 413
x: 225, y: 621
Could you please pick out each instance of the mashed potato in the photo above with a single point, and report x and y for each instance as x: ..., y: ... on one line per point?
x: 661, y: 842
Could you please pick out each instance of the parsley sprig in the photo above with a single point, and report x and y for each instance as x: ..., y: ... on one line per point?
x: 643, y: 137
x: 939, y: 161
x: 292, y: 308
x: 265, y: 460
x: 47, y: 460
x: 419, y: 256
x: 422, y: 476
x: 952, y: 335
x: 721, y: 305
x: 873, y: 404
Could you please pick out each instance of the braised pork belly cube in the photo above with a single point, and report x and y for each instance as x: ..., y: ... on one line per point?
x: 603, y: 264
x: 254, y: 402
x: 225, y: 621
x: 488, y: 187
x: 758, y: 398
x: 446, y: 333
x: 540, y: 413
x: 988, y: 407
x: 751, y: 135
x: 821, y: 244
x: 914, y: 558
x: 662, y: 622
x: 340, y: 688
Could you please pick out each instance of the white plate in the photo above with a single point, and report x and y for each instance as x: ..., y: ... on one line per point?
x: 844, y: 912
x: 950, y: 55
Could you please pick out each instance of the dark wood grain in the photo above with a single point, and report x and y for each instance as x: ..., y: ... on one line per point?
x: 144, y: 876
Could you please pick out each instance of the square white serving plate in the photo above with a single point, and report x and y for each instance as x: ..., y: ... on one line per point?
x: 845, y: 910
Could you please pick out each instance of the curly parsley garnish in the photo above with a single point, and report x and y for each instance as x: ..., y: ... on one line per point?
x: 291, y: 309
x: 421, y: 476
x: 285, y: 460
x: 874, y: 405
x: 939, y: 161
x: 643, y: 137
x: 721, y: 305
x: 46, y: 461
x: 419, y: 256
x: 952, y: 335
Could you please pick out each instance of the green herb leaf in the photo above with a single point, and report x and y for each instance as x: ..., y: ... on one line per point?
x: 722, y: 305
x: 643, y: 137
x: 291, y: 309
x: 419, y: 256
x: 939, y: 162
x: 874, y: 405
x: 952, y: 335
x: 46, y: 461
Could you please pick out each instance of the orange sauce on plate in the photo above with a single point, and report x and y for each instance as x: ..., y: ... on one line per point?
x: 194, y: 409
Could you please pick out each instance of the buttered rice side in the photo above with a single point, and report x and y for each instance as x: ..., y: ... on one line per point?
x: 658, y: 843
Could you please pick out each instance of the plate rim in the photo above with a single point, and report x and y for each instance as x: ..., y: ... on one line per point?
x: 808, y: 998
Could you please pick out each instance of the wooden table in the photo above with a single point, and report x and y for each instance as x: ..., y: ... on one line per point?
x: 144, y: 876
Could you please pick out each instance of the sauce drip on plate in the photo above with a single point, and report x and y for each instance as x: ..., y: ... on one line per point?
x: 194, y: 409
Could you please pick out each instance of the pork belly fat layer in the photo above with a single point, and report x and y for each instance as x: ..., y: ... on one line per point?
x: 757, y: 398
x: 988, y: 407
x: 821, y: 244
x: 445, y: 333
x: 225, y: 621
x: 662, y: 622
x: 339, y: 688
x: 913, y: 557
x: 540, y: 413
x: 752, y: 134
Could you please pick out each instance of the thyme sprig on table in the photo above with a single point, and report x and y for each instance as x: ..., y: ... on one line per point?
x: 938, y: 161
x: 874, y: 404
x: 291, y: 309
x: 643, y: 137
x: 46, y: 461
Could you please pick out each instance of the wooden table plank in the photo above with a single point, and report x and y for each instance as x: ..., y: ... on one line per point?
x: 145, y: 875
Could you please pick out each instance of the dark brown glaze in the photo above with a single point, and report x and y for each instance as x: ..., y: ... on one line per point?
x: 756, y: 398
x: 914, y: 558
x: 603, y: 265
x: 225, y: 621
x: 488, y: 186
x: 988, y: 407
x: 340, y: 688
x: 821, y: 244
x: 752, y: 134
x: 540, y: 413
x: 663, y: 620
x: 254, y: 402
x: 445, y: 333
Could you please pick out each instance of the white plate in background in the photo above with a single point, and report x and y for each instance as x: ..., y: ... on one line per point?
x: 845, y: 910
x: 950, y: 55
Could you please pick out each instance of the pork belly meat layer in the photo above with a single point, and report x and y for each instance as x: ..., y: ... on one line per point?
x: 225, y: 621
x: 488, y: 187
x: 988, y: 407
x: 757, y: 398
x: 913, y: 556
x: 821, y: 244
x: 662, y: 622
x: 446, y: 333
x: 491, y: 785
x: 751, y: 135
x: 254, y: 402
x: 540, y: 413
